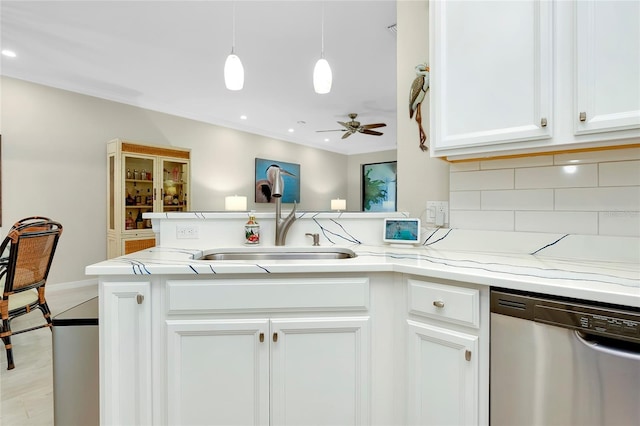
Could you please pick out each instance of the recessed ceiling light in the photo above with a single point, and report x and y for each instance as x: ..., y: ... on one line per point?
x: 243, y: 117
x: 326, y: 139
x: 9, y: 53
x: 290, y: 130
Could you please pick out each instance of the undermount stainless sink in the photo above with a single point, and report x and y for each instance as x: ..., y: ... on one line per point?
x: 278, y: 253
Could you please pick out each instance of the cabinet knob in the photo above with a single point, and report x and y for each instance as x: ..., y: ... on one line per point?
x: 261, y: 337
x: 543, y: 122
x: 438, y: 303
x: 275, y: 337
x: 467, y: 355
x: 139, y: 298
x: 583, y: 116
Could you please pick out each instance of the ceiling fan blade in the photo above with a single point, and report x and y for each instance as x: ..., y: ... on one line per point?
x: 371, y: 132
x: 373, y: 126
x: 346, y: 135
x: 336, y: 130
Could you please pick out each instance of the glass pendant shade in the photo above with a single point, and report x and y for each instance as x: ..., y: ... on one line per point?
x: 322, y: 77
x: 233, y: 72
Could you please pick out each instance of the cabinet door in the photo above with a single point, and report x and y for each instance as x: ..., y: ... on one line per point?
x: 174, y: 175
x: 442, y: 376
x: 218, y: 372
x: 491, y: 73
x: 138, y: 178
x: 125, y: 367
x: 608, y: 66
x: 320, y: 371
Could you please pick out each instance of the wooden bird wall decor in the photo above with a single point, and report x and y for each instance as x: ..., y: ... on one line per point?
x: 418, y: 91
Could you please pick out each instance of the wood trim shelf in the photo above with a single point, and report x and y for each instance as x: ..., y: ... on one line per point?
x: 536, y: 154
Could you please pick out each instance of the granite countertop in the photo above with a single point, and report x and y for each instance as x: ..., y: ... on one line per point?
x: 584, y: 267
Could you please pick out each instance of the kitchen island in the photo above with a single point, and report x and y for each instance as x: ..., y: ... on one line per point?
x: 393, y: 336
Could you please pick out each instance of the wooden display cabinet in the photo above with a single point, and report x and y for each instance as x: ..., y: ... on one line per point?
x: 142, y: 178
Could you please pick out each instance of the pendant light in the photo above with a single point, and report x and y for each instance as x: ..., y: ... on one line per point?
x: 322, y: 77
x: 233, y: 69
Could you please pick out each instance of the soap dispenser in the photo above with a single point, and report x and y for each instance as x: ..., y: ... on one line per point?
x: 252, y: 230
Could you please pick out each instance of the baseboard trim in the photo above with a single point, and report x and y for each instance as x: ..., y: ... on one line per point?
x: 53, y: 288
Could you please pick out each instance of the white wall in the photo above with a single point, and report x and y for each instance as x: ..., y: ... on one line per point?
x: 421, y: 177
x: 595, y: 193
x: 54, y: 164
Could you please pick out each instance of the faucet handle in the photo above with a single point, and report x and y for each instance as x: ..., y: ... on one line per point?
x: 316, y: 238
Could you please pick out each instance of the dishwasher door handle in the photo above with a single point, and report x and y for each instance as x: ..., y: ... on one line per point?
x: 602, y: 347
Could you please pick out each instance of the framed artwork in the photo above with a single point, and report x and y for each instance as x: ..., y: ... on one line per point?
x: 290, y: 175
x: 379, y: 183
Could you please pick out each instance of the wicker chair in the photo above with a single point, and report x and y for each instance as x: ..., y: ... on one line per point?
x: 30, y: 245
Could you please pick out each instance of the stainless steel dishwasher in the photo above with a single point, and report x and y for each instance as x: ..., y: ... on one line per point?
x: 563, y: 361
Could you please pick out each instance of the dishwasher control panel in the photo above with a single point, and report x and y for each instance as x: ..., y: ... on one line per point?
x: 587, y: 317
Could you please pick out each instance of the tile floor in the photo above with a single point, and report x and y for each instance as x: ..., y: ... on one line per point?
x: 26, y: 392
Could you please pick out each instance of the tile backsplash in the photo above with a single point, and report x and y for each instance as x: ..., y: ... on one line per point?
x: 593, y: 193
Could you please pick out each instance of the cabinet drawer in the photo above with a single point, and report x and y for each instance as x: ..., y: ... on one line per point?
x: 281, y: 294
x: 444, y: 302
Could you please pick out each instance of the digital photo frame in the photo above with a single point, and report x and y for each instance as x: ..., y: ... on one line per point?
x: 401, y: 231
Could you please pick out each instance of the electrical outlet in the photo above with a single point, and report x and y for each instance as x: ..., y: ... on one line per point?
x: 438, y: 212
x: 187, y: 232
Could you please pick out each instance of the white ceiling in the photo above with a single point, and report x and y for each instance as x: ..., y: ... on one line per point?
x: 169, y: 56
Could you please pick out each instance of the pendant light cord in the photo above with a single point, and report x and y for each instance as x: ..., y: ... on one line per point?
x: 233, y: 28
x: 322, y: 33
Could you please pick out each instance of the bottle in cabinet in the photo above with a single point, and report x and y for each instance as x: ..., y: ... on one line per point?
x: 130, y: 223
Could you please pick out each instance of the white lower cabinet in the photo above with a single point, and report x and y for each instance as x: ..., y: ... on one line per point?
x: 443, y: 379
x: 277, y: 371
x: 125, y: 342
x: 446, y: 357
x: 381, y: 349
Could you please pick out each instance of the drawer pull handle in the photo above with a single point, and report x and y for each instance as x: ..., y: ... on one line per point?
x: 583, y: 116
x: 139, y: 298
x: 438, y: 303
x: 261, y: 337
x: 275, y: 337
x: 543, y: 122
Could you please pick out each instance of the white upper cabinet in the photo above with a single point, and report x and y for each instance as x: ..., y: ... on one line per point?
x: 607, y: 72
x: 520, y: 76
x: 491, y: 72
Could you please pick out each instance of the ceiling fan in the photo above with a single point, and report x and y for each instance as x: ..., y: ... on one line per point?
x: 353, y: 126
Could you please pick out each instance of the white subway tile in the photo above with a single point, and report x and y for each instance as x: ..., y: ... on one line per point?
x: 565, y: 222
x: 464, y: 166
x: 557, y: 176
x: 523, y: 199
x: 620, y: 223
x: 598, y: 156
x: 512, y: 163
x: 464, y: 200
x: 619, y: 173
x: 609, y: 199
x: 483, y: 220
x: 489, y: 179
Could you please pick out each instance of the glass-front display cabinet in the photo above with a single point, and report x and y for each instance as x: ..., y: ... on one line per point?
x: 142, y: 178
